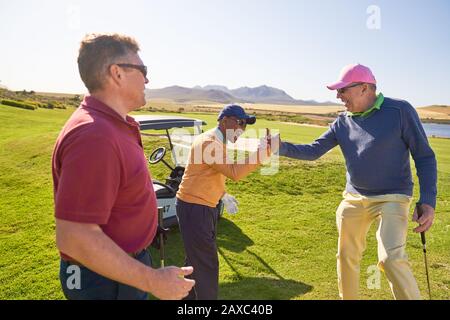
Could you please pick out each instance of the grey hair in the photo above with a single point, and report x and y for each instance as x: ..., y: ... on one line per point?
x: 97, y: 52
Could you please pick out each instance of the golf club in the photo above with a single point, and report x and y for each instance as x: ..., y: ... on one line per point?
x: 161, y: 235
x: 424, y: 247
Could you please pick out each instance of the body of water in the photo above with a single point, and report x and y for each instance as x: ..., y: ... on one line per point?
x: 437, y: 130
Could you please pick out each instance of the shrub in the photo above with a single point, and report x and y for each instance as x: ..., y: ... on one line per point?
x: 37, y: 104
x: 18, y: 104
x: 55, y: 105
x: 60, y: 106
x: 46, y: 105
x: 76, y: 98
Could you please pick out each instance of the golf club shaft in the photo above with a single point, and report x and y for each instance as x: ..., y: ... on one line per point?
x: 428, y: 277
x: 161, y: 250
x: 161, y: 235
x: 424, y: 247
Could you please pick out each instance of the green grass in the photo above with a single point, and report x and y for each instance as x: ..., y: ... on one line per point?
x: 281, y: 244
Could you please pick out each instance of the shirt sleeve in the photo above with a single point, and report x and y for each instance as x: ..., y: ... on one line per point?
x: 226, y: 166
x: 415, y: 138
x: 89, y: 178
x: 318, y: 148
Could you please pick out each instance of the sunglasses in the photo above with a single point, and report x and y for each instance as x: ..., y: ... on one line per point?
x: 140, y: 67
x: 240, y: 122
x: 340, y: 91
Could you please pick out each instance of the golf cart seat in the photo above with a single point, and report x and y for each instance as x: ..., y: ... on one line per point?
x: 163, y: 191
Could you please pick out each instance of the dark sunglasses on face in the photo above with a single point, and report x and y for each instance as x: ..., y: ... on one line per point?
x: 140, y: 67
x: 340, y: 91
x: 241, y: 122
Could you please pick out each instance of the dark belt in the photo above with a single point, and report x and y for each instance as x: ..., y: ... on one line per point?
x: 76, y: 263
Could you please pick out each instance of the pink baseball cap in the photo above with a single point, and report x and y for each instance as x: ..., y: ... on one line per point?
x: 351, y: 74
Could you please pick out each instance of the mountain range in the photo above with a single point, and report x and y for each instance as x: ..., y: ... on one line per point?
x: 221, y: 94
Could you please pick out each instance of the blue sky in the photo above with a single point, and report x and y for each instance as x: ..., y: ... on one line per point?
x: 297, y: 46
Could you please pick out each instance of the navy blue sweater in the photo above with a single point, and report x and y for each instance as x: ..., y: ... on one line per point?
x: 376, y: 150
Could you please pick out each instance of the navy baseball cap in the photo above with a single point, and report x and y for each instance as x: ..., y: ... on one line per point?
x: 233, y: 110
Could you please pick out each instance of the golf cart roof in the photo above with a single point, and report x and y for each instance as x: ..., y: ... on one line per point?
x: 148, y: 122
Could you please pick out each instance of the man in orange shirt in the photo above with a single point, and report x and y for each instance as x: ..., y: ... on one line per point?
x: 202, y: 187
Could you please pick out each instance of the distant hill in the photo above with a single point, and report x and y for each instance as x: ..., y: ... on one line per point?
x: 438, y: 108
x: 262, y: 94
x: 216, y: 87
x: 221, y: 94
x: 435, y: 113
x: 39, y: 99
x: 182, y: 94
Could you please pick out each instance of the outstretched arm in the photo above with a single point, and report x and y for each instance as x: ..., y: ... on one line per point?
x: 235, y: 170
x: 313, y: 151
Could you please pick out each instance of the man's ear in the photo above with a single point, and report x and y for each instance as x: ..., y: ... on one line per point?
x: 365, y: 88
x: 115, y: 73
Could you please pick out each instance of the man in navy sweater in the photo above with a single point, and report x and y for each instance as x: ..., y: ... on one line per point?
x: 376, y: 135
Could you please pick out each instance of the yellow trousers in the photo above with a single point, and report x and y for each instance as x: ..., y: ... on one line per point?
x: 354, y: 216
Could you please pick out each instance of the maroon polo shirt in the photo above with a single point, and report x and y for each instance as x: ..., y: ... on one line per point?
x: 100, y: 176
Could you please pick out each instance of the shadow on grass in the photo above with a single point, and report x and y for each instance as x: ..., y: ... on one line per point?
x: 231, y: 238
x: 263, y: 288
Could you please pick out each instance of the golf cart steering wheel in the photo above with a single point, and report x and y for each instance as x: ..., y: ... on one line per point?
x: 157, y: 155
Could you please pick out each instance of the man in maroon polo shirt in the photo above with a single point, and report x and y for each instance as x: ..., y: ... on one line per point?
x: 105, y: 205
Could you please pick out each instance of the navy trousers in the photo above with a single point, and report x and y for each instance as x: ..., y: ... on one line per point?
x: 198, y: 227
x: 81, y: 283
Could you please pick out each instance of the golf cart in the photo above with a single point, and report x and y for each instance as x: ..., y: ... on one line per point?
x: 180, y: 141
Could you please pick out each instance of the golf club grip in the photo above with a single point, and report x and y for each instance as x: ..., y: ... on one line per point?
x: 161, y: 225
x: 422, y: 236
x: 160, y: 216
x: 161, y: 235
x: 161, y: 248
x: 419, y: 214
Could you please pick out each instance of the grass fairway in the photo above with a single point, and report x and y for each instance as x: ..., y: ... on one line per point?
x: 281, y: 244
